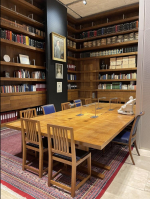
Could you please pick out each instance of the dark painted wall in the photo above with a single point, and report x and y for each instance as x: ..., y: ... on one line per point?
x: 56, y: 21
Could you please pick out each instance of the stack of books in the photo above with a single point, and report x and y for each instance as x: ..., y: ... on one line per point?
x: 9, y: 116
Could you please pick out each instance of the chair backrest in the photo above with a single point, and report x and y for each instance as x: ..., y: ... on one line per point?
x: 61, y: 136
x: 88, y: 101
x: 77, y: 102
x: 48, y: 109
x: 31, y: 132
x: 65, y: 106
x: 135, y: 123
x: 29, y: 113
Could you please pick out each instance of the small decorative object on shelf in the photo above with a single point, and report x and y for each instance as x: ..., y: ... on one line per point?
x: 103, y: 65
x: 6, y: 58
x: 6, y: 74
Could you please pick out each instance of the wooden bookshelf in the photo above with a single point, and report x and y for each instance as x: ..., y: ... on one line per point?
x: 19, y: 45
x: 28, y: 6
x: 20, y: 17
x: 72, y: 58
x: 72, y: 71
x: 21, y: 65
x: 22, y: 31
x: 99, y: 80
x: 103, y: 36
x: 21, y: 100
x: 104, y: 71
x: 21, y: 79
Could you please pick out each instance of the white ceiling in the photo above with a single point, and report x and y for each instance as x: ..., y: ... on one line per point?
x: 94, y: 6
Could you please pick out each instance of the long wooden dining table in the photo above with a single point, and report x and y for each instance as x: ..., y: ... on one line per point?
x: 88, y: 132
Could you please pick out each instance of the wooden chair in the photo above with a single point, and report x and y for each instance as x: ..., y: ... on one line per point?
x: 88, y: 101
x: 77, y: 103
x: 65, y: 106
x: 129, y: 137
x: 32, y: 139
x: 48, y: 109
x: 61, y: 152
x: 29, y: 113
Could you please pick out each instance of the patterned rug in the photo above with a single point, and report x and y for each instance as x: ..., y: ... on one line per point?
x: 29, y: 185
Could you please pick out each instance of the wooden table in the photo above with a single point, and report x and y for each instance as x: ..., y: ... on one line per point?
x: 88, y: 132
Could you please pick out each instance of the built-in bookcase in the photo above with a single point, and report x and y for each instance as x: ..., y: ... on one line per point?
x: 16, y: 16
x: 89, y: 59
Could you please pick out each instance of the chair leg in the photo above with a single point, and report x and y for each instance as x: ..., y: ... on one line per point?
x: 73, y: 181
x: 50, y: 169
x: 136, y: 148
x: 131, y: 155
x: 24, y: 158
x: 89, y: 165
x: 41, y: 164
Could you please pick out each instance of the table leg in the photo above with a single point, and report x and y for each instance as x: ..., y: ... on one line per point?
x: 103, y: 166
x: 93, y: 173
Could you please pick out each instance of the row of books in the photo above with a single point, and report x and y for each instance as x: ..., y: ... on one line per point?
x: 110, y: 29
x: 109, y: 52
x: 26, y: 74
x: 22, y: 88
x: 71, y: 67
x: 9, y: 116
x: 9, y: 35
x: 71, y: 77
x: 71, y: 44
x: 72, y: 86
x: 111, y: 40
x: 123, y: 62
x: 117, y: 85
x: 23, y: 26
x: 120, y: 76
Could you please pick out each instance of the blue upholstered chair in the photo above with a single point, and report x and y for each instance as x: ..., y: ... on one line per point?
x: 48, y: 109
x: 77, y: 103
x: 128, y: 138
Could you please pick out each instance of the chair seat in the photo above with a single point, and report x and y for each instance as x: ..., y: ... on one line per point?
x: 79, y: 155
x: 123, y: 137
x: 34, y: 145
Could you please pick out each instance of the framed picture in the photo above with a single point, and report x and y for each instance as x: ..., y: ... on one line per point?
x: 24, y: 59
x: 59, y: 87
x: 59, y: 71
x: 58, y: 47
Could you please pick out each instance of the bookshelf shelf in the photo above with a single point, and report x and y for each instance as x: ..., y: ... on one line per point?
x: 105, y: 46
x: 101, y: 90
x: 22, y: 79
x: 21, y: 45
x: 20, y: 17
x: 110, y: 56
x: 103, y: 36
x: 20, y: 65
x: 72, y: 58
x: 104, y: 71
x: 115, y: 80
x: 103, y: 25
x: 22, y: 93
x: 19, y: 30
x: 28, y: 6
x: 108, y: 80
x: 73, y: 90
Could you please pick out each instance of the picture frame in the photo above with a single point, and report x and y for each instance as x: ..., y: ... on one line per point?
x: 58, y: 47
x: 58, y: 71
x: 59, y: 87
x: 24, y: 59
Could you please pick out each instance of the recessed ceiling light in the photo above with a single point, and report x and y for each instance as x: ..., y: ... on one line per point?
x: 84, y: 2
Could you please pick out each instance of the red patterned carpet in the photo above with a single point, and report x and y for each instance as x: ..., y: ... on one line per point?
x: 30, y: 185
